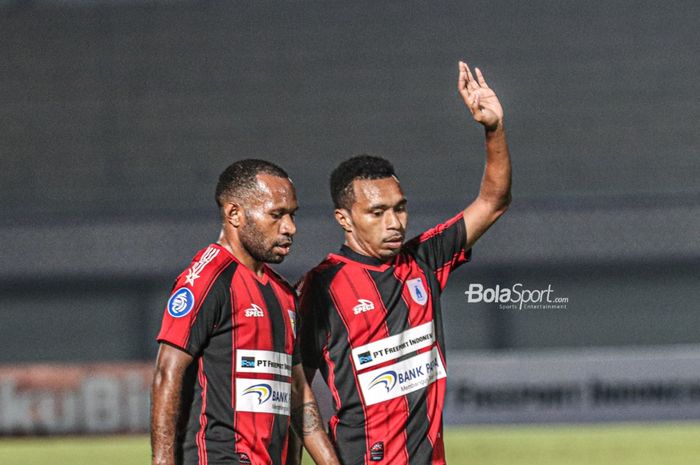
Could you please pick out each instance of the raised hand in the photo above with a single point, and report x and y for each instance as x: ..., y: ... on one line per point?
x: 479, y: 97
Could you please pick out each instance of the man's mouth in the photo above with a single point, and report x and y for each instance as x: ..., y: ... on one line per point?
x: 394, y: 242
x: 284, y: 246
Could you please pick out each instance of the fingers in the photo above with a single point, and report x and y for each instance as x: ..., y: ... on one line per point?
x: 480, y: 78
x: 470, y: 78
x: 462, y: 79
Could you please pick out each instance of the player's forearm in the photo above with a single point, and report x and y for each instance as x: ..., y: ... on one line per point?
x: 165, y: 405
x: 496, y: 182
x: 320, y: 448
x: 308, y: 425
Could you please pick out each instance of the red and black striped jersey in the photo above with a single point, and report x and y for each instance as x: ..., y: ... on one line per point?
x: 374, y: 330
x: 240, y: 329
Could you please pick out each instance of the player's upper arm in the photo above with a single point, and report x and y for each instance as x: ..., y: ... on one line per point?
x: 171, y: 363
x: 478, y: 218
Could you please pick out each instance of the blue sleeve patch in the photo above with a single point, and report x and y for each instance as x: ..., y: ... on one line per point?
x: 181, y: 303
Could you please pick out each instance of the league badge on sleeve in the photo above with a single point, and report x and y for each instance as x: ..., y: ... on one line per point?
x: 181, y: 303
x: 417, y: 290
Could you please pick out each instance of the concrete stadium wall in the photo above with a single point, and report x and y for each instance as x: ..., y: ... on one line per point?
x: 117, y: 117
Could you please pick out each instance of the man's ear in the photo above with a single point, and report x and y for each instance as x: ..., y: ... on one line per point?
x: 233, y: 214
x: 342, y: 216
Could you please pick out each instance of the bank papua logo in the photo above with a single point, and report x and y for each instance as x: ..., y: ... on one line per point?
x: 181, y: 303
x: 263, y: 391
x: 248, y: 362
x: 386, y: 379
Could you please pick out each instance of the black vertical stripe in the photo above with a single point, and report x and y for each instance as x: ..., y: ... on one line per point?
x: 351, y: 435
x: 391, y: 290
x: 190, y: 406
x: 420, y: 451
x: 216, y: 354
x: 218, y: 362
x: 280, y: 423
x: 274, y: 313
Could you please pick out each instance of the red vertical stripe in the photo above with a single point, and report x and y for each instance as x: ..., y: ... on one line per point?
x: 234, y: 325
x: 201, y: 435
x: 331, y: 378
x: 384, y: 422
x: 251, y: 332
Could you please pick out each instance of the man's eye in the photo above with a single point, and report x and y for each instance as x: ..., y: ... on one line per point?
x: 277, y: 216
x: 377, y: 212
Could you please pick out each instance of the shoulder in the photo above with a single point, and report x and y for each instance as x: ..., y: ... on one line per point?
x: 326, y: 270
x: 197, y: 283
x: 204, y: 268
x: 456, y: 222
x: 320, y: 276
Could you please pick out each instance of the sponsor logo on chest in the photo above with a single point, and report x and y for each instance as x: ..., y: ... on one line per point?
x: 263, y: 361
x: 393, y: 347
x: 401, y: 378
x: 262, y: 396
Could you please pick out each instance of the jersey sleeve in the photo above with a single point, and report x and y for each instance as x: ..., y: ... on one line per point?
x: 191, y: 314
x: 312, y: 330
x: 442, y: 248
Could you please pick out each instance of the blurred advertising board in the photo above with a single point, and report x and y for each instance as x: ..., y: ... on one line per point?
x: 70, y: 399
x: 553, y: 386
x: 583, y: 385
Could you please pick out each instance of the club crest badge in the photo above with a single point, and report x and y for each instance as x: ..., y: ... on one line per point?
x: 417, y: 290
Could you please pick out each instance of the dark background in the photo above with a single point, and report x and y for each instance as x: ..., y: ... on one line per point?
x: 116, y: 118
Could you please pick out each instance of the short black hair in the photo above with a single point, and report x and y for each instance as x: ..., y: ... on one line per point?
x: 239, y: 178
x: 357, y: 167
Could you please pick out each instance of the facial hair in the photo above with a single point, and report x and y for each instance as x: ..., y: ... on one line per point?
x: 253, y: 241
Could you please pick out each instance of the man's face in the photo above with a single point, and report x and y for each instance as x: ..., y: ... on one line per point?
x: 378, y: 217
x: 268, y: 227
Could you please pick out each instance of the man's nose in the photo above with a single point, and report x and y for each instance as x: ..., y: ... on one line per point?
x: 288, y: 227
x: 392, y: 220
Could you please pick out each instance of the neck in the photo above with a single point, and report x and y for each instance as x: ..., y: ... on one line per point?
x: 233, y: 245
x: 359, y: 248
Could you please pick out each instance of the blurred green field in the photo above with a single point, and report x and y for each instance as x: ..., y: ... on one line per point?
x: 626, y: 444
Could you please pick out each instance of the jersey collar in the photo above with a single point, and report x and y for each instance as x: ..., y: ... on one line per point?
x: 350, y: 254
x: 264, y: 279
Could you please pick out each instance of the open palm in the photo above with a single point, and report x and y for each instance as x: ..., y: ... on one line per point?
x: 479, y: 97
